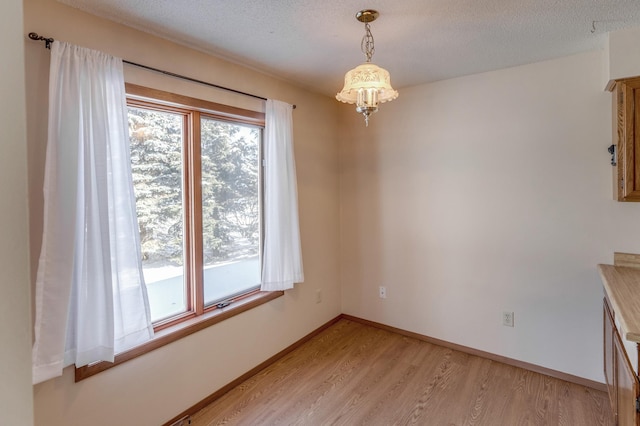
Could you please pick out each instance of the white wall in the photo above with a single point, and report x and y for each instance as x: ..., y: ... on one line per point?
x: 16, y: 400
x: 159, y: 385
x: 486, y: 193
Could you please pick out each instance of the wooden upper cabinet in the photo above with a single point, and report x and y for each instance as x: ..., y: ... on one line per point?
x: 626, y: 138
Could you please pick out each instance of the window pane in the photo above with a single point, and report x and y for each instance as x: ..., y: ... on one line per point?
x: 156, y: 160
x: 230, y: 209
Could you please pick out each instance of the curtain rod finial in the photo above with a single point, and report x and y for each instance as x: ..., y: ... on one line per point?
x: 36, y: 37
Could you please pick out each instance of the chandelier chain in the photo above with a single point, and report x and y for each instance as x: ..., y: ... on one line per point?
x: 367, y: 44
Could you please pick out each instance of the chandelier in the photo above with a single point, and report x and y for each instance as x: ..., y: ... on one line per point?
x: 367, y: 85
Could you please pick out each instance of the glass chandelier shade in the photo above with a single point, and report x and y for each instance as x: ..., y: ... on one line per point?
x: 367, y: 85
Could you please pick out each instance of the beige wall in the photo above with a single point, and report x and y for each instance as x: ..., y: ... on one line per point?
x: 486, y: 193
x: 16, y: 401
x: 155, y: 387
x: 464, y: 198
x: 624, y: 53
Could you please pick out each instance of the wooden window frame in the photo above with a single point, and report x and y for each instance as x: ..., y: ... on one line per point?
x: 197, y: 316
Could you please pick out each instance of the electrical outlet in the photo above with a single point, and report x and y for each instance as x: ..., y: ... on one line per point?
x: 318, y: 295
x: 507, y: 319
x: 383, y: 292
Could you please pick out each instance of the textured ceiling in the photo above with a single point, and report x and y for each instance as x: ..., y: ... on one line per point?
x: 315, y: 42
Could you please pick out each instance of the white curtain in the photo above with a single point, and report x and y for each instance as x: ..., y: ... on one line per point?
x: 91, y: 301
x: 282, y: 259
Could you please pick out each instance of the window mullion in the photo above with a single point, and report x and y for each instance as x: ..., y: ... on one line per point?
x: 194, y: 207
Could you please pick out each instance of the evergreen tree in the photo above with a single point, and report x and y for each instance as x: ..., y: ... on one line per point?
x: 230, y: 186
x: 229, y: 189
x: 156, y: 165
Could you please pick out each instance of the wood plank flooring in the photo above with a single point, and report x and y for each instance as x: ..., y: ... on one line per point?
x: 353, y: 374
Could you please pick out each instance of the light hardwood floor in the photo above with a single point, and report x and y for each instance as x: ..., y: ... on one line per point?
x: 354, y: 374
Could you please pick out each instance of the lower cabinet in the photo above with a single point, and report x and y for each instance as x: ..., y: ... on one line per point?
x: 622, y: 380
x: 609, y: 356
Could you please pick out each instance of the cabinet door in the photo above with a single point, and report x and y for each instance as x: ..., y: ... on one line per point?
x: 626, y: 137
x: 627, y: 386
x: 609, y: 360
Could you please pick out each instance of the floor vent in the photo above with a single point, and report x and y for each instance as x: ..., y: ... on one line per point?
x: 185, y: 421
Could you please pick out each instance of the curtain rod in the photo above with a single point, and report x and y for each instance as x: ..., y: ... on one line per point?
x: 49, y: 40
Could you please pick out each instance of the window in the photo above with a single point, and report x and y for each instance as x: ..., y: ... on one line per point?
x: 198, y: 183
x: 196, y: 175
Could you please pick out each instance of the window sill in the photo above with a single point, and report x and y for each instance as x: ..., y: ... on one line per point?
x: 180, y: 330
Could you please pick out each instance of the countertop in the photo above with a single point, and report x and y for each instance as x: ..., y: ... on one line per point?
x: 622, y: 285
